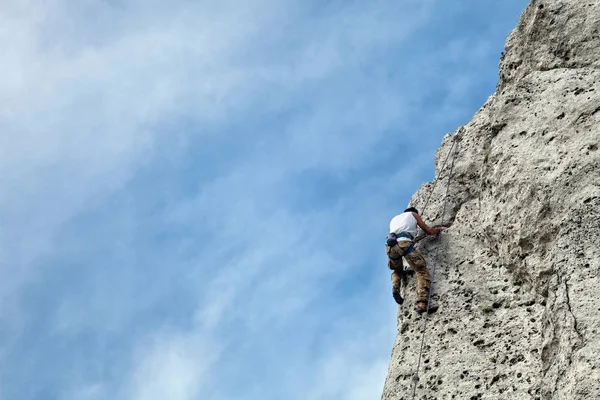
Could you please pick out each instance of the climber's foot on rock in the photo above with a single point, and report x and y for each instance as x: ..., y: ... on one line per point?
x: 397, y: 296
x: 422, y: 307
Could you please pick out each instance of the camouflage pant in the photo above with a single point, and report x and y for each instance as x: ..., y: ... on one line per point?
x: 416, y: 261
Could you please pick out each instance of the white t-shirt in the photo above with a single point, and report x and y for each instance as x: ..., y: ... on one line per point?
x: 404, y: 222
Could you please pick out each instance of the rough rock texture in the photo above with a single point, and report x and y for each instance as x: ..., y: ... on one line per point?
x: 518, y: 275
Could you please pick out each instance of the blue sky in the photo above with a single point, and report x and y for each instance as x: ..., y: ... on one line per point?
x: 194, y: 194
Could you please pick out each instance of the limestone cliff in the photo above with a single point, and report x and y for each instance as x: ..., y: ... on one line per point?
x: 518, y: 276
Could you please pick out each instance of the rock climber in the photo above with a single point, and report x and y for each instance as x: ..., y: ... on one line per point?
x: 400, y: 243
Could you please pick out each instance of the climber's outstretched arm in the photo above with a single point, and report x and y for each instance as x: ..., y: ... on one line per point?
x: 427, y: 229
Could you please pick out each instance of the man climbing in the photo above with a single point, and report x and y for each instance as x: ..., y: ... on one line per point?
x: 400, y: 243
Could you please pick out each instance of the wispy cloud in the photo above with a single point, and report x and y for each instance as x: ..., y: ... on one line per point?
x: 193, y: 194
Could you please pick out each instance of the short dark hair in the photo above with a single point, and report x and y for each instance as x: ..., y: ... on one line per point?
x: 411, y: 209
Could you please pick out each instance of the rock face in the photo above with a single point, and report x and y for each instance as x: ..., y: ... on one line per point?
x: 518, y: 274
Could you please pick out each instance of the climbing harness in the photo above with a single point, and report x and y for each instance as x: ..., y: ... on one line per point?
x: 392, y: 240
x: 415, y: 379
x: 405, y: 235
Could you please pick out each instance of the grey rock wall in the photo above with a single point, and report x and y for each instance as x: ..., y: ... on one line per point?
x: 518, y: 275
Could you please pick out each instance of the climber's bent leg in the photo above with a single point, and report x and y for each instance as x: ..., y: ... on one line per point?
x: 417, y: 262
x: 397, y: 286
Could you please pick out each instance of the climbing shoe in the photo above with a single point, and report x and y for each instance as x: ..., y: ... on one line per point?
x: 422, y: 307
x: 397, y: 296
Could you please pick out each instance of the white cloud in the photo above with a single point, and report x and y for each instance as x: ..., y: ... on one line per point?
x: 93, y: 94
x: 172, y: 366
